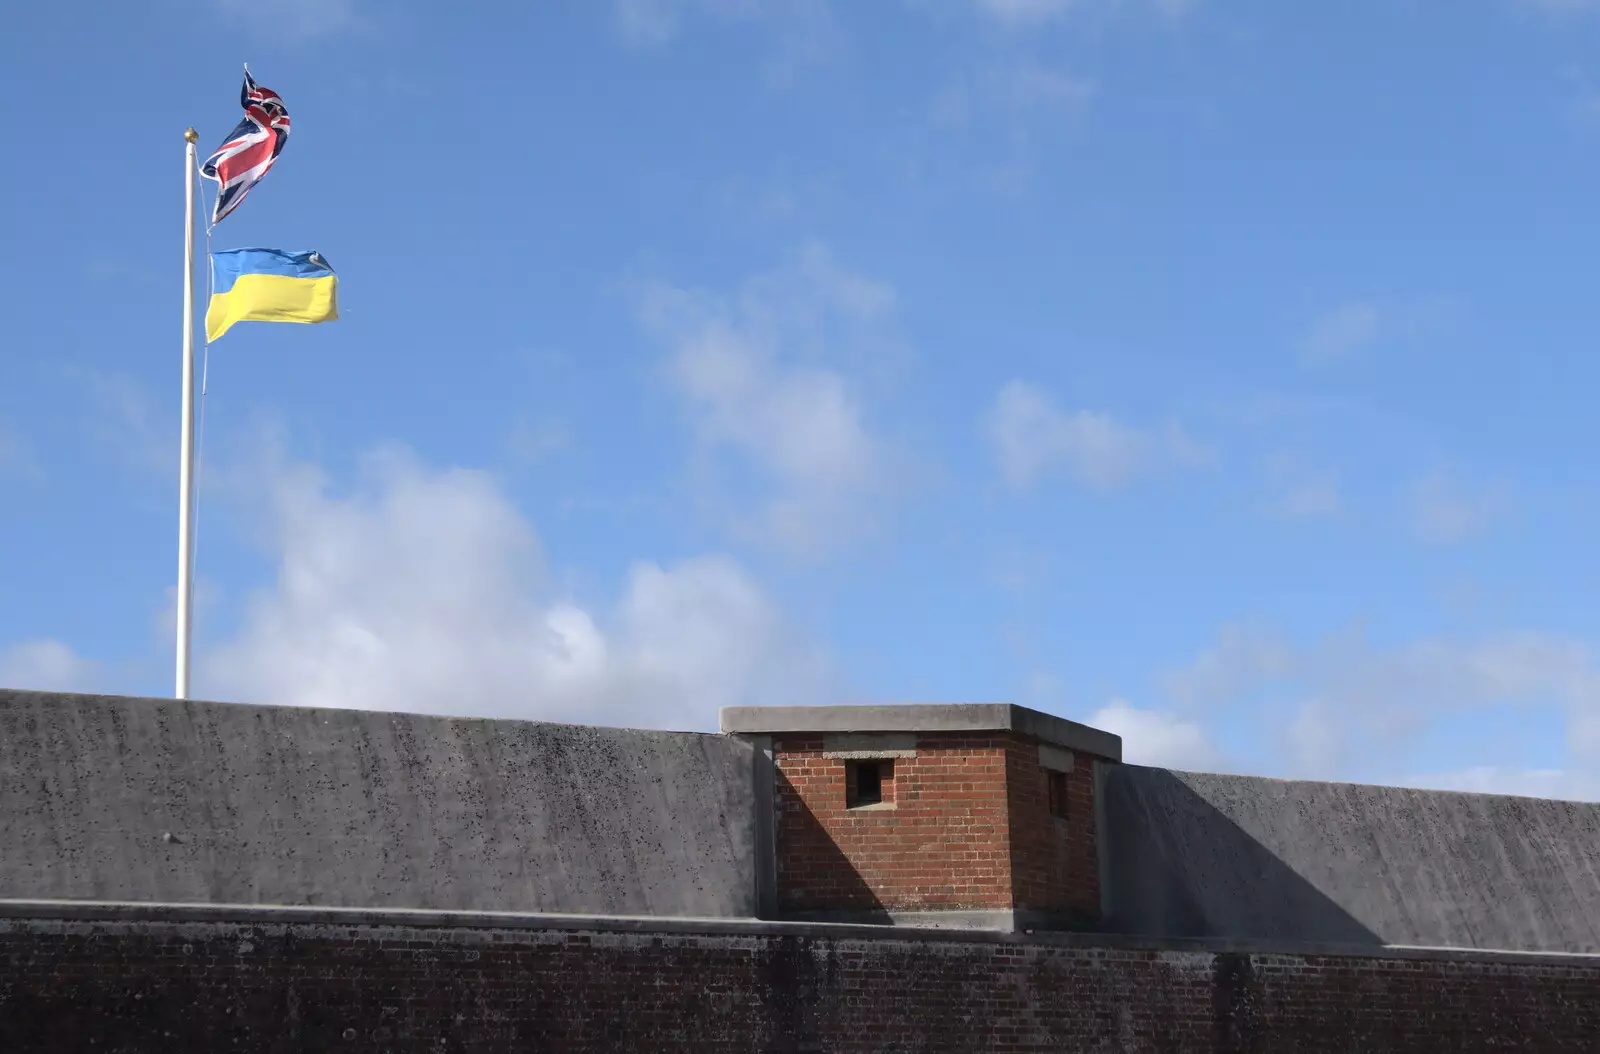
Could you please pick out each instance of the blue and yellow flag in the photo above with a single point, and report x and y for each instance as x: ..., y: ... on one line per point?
x: 270, y: 285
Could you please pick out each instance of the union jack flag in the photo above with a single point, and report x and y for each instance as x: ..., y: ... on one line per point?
x: 250, y: 149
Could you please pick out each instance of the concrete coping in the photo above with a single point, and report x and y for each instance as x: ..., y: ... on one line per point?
x: 957, y: 717
x: 14, y: 912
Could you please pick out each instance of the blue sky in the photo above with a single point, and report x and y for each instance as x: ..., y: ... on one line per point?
x: 1216, y: 372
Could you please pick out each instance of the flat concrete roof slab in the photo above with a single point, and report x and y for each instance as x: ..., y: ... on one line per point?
x: 952, y: 717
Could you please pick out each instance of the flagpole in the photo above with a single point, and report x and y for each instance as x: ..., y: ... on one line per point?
x: 186, y: 460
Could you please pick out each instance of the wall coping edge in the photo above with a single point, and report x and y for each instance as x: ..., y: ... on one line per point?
x: 247, y: 914
x: 949, y: 717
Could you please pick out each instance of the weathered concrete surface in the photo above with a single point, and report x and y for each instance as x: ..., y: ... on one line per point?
x: 944, y: 717
x: 110, y: 798
x: 1194, y: 855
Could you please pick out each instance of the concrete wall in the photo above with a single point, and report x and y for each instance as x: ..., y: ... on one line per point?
x: 179, y: 981
x: 108, y: 798
x: 1208, y: 855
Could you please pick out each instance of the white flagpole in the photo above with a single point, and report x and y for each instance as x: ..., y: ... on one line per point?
x: 186, y: 462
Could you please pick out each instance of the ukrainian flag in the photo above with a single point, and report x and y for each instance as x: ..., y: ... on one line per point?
x: 270, y: 285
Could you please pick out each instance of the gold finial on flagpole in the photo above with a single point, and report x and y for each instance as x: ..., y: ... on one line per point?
x: 191, y: 136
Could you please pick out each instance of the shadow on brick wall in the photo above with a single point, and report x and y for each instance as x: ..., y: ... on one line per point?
x: 1177, y: 867
x: 815, y: 878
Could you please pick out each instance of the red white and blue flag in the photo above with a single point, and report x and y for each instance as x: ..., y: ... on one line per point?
x: 251, y: 148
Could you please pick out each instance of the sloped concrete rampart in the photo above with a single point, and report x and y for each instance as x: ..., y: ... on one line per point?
x: 110, y: 798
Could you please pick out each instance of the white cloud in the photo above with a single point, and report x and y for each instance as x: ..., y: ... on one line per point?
x: 1242, y: 657
x: 1342, y: 332
x: 1314, y: 740
x: 800, y: 424
x: 1031, y: 437
x: 1359, y: 325
x: 47, y: 666
x: 1154, y: 737
x: 1441, y: 510
x: 1532, y: 783
x: 424, y: 589
x: 1342, y: 700
x: 758, y: 379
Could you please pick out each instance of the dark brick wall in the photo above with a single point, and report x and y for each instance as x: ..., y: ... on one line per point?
x: 173, y: 987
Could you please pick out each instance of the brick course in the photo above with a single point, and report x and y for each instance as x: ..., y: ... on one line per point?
x: 148, y: 985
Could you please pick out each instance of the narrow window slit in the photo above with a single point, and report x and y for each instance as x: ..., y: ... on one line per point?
x: 869, y: 783
x: 1058, y: 793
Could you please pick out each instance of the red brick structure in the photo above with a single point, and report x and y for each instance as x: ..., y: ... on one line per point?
x: 177, y: 876
x: 949, y: 815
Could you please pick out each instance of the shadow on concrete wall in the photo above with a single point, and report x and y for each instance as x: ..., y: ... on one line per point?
x: 1177, y: 867
x: 813, y: 870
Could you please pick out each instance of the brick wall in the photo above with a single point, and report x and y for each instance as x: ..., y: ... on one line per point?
x: 1054, y: 861
x: 969, y: 828
x: 170, y: 986
x: 942, y: 844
